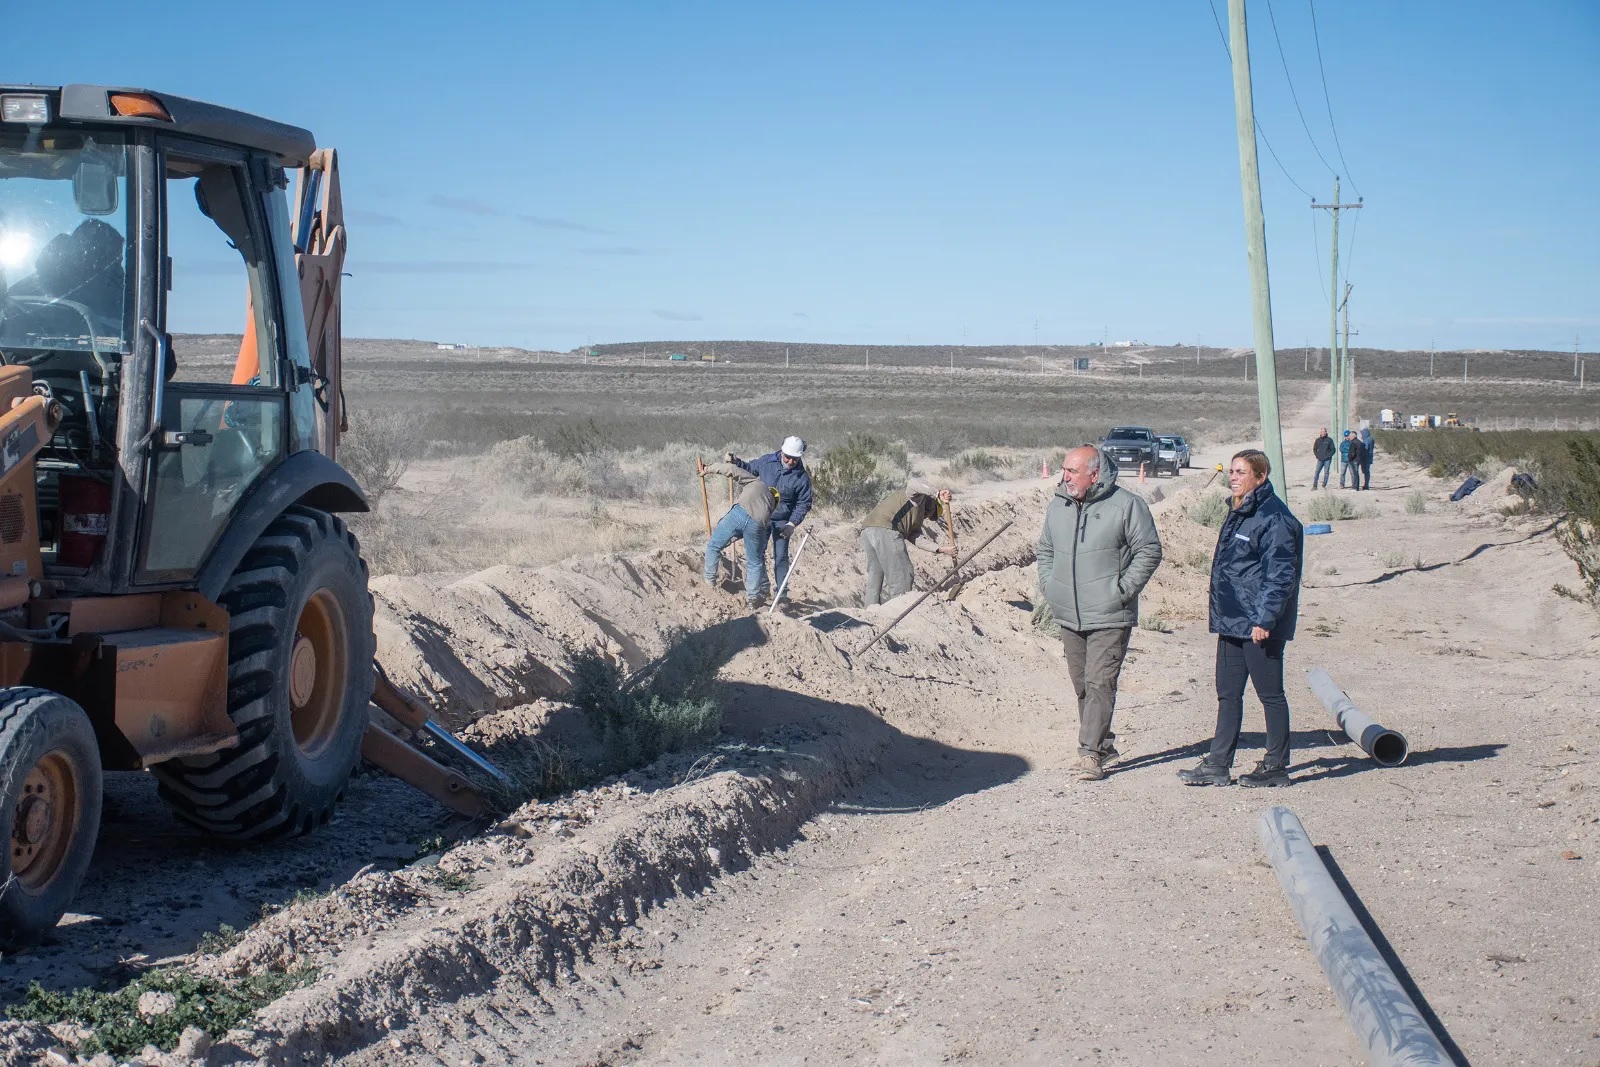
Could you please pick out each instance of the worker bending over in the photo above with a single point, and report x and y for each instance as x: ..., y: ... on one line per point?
x: 896, y: 522
x: 748, y: 518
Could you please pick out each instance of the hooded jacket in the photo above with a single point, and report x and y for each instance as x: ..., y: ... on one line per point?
x: 1367, y: 445
x: 1255, y: 572
x: 755, y: 496
x: 1097, y: 555
x: 792, y: 483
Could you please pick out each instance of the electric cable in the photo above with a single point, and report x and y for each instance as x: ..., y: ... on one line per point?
x: 1294, y: 95
x: 1260, y: 130
x: 1325, y: 98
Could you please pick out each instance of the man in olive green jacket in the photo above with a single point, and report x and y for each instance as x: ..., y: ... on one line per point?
x: 1097, y: 551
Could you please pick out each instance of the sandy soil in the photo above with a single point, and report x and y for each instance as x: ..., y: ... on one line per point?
x: 888, y: 860
x: 974, y: 902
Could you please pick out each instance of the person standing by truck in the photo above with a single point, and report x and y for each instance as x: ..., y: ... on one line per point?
x: 1322, y: 449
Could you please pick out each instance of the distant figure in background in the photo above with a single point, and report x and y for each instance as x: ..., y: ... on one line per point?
x: 1255, y: 602
x: 784, y: 471
x: 1345, y: 470
x: 1368, y: 445
x: 749, y: 519
x: 1322, y: 449
x: 896, y: 522
x: 1358, y: 459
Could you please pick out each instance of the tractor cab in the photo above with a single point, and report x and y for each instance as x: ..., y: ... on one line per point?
x: 177, y: 592
x: 136, y: 232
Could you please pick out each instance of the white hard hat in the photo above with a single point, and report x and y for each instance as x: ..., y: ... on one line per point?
x: 794, y: 446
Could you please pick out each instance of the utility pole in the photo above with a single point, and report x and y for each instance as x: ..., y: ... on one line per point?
x: 1575, y: 339
x: 1335, y: 372
x: 1197, y: 353
x: 1345, y: 375
x: 1255, y: 229
x: 869, y: 359
x: 785, y: 359
x: 1430, y: 358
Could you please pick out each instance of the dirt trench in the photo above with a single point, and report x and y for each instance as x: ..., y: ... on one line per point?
x: 885, y: 857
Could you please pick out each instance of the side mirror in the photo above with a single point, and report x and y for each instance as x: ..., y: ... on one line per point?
x: 94, y: 186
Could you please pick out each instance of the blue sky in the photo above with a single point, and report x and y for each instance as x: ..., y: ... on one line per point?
x: 548, y: 174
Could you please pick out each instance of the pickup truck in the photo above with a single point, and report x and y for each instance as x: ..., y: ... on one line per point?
x: 1131, y: 446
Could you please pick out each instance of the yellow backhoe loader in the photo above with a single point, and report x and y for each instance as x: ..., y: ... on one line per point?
x: 177, y: 592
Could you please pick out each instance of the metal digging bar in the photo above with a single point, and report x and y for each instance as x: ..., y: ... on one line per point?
x: 942, y: 583
x: 1384, y: 1017
x: 1387, y: 747
x: 788, y: 574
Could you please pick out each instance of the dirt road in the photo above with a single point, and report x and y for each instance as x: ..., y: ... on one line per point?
x: 973, y: 902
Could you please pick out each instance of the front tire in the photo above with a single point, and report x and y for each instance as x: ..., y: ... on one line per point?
x: 50, y: 785
x: 300, y: 677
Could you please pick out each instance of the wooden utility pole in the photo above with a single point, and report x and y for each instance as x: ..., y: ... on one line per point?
x: 1335, y: 371
x: 1255, y: 230
x: 1345, y: 375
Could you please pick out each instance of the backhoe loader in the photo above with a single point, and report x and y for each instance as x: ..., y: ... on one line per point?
x: 178, y: 594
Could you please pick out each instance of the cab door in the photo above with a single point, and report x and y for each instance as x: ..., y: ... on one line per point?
x: 219, y: 401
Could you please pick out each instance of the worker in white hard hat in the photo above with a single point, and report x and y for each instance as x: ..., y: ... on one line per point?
x: 784, y: 471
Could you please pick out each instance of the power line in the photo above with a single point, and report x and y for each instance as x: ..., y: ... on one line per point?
x: 1262, y: 133
x: 1350, y: 249
x: 1326, y: 99
x: 1294, y: 95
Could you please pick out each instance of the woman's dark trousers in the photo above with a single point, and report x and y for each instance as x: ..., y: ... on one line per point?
x: 1238, y: 660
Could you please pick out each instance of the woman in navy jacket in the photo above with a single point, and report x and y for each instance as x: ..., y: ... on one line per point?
x: 1255, y: 599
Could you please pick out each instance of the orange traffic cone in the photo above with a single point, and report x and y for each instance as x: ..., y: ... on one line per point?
x: 1142, y: 467
x: 1044, y: 468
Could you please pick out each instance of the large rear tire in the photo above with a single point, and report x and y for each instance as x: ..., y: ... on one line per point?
x: 300, y: 677
x: 50, y: 784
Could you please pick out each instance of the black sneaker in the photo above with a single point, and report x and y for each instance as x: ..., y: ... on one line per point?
x: 1266, y: 776
x: 1205, y: 773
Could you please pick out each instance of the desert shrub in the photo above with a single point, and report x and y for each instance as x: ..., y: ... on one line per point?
x: 1325, y: 507
x: 1208, y: 509
x: 1044, y: 620
x: 215, y: 1005
x: 1579, y: 535
x: 854, y: 475
x: 1547, y: 454
x: 378, y: 451
x: 975, y: 461
x: 1416, y: 502
x: 1393, y: 559
x: 573, y: 439
x: 1155, y: 623
x: 664, y: 707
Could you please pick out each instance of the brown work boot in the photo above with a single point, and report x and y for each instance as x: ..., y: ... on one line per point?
x: 1089, y: 769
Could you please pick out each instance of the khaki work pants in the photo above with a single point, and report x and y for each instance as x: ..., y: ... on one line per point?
x: 1094, y: 659
x: 889, y: 572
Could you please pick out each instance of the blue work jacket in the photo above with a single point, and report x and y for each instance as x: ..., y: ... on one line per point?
x: 1255, y: 573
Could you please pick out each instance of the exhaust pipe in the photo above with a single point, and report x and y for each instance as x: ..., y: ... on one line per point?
x: 1383, y: 1015
x: 1387, y: 747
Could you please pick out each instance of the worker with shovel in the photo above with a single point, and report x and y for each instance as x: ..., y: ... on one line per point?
x: 785, y: 472
x: 896, y: 522
x: 749, y: 518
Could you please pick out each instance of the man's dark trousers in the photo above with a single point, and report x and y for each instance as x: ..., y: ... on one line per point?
x: 1094, y: 659
x: 1240, y: 660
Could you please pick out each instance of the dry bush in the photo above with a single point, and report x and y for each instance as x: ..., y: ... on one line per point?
x: 1209, y: 509
x: 1327, y: 507
x: 378, y: 451
x: 855, y: 475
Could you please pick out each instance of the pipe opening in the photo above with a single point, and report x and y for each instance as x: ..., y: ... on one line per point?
x: 1390, y: 749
